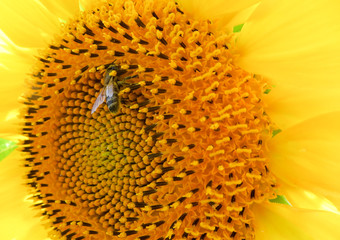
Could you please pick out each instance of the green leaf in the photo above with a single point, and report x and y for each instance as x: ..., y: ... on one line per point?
x: 267, y: 91
x: 276, y: 131
x: 280, y: 199
x: 6, y: 147
x: 238, y: 28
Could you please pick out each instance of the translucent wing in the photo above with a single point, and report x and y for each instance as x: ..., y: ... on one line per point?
x: 110, y: 88
x: 100, y: 99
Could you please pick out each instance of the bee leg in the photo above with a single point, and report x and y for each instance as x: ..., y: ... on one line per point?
x: 132, y: 86
x: 122, y: 84
x: 130, y: 77
x: 123, y: 101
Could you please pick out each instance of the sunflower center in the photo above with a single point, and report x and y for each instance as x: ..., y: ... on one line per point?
x: 182, y: 155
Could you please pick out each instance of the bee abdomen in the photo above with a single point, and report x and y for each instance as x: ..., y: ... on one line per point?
x: 113, y: 103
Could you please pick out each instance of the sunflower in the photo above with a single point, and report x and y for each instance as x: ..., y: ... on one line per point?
x: 170, y: 120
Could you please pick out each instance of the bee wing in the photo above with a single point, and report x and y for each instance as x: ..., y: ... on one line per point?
x: 110, y: 89
x: 100, y: 99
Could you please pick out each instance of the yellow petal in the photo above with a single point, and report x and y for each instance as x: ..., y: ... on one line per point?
x: 31, y: 23
x: 307, y: 156
x: 302, y: 198
x: 15, y: 64
x: 86, y: 4
x: 288, y: 106
x: 294, y: 43
x: 16, y: 215
x: 240, y: 17
x: 281, y: 222
x: 63, y: 9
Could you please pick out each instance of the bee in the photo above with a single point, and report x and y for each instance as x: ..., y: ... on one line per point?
x: 110, y: 91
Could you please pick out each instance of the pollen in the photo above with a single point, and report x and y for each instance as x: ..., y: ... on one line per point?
x: 184, y: 156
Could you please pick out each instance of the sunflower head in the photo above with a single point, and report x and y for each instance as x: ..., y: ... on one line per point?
x: 183, y: 153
